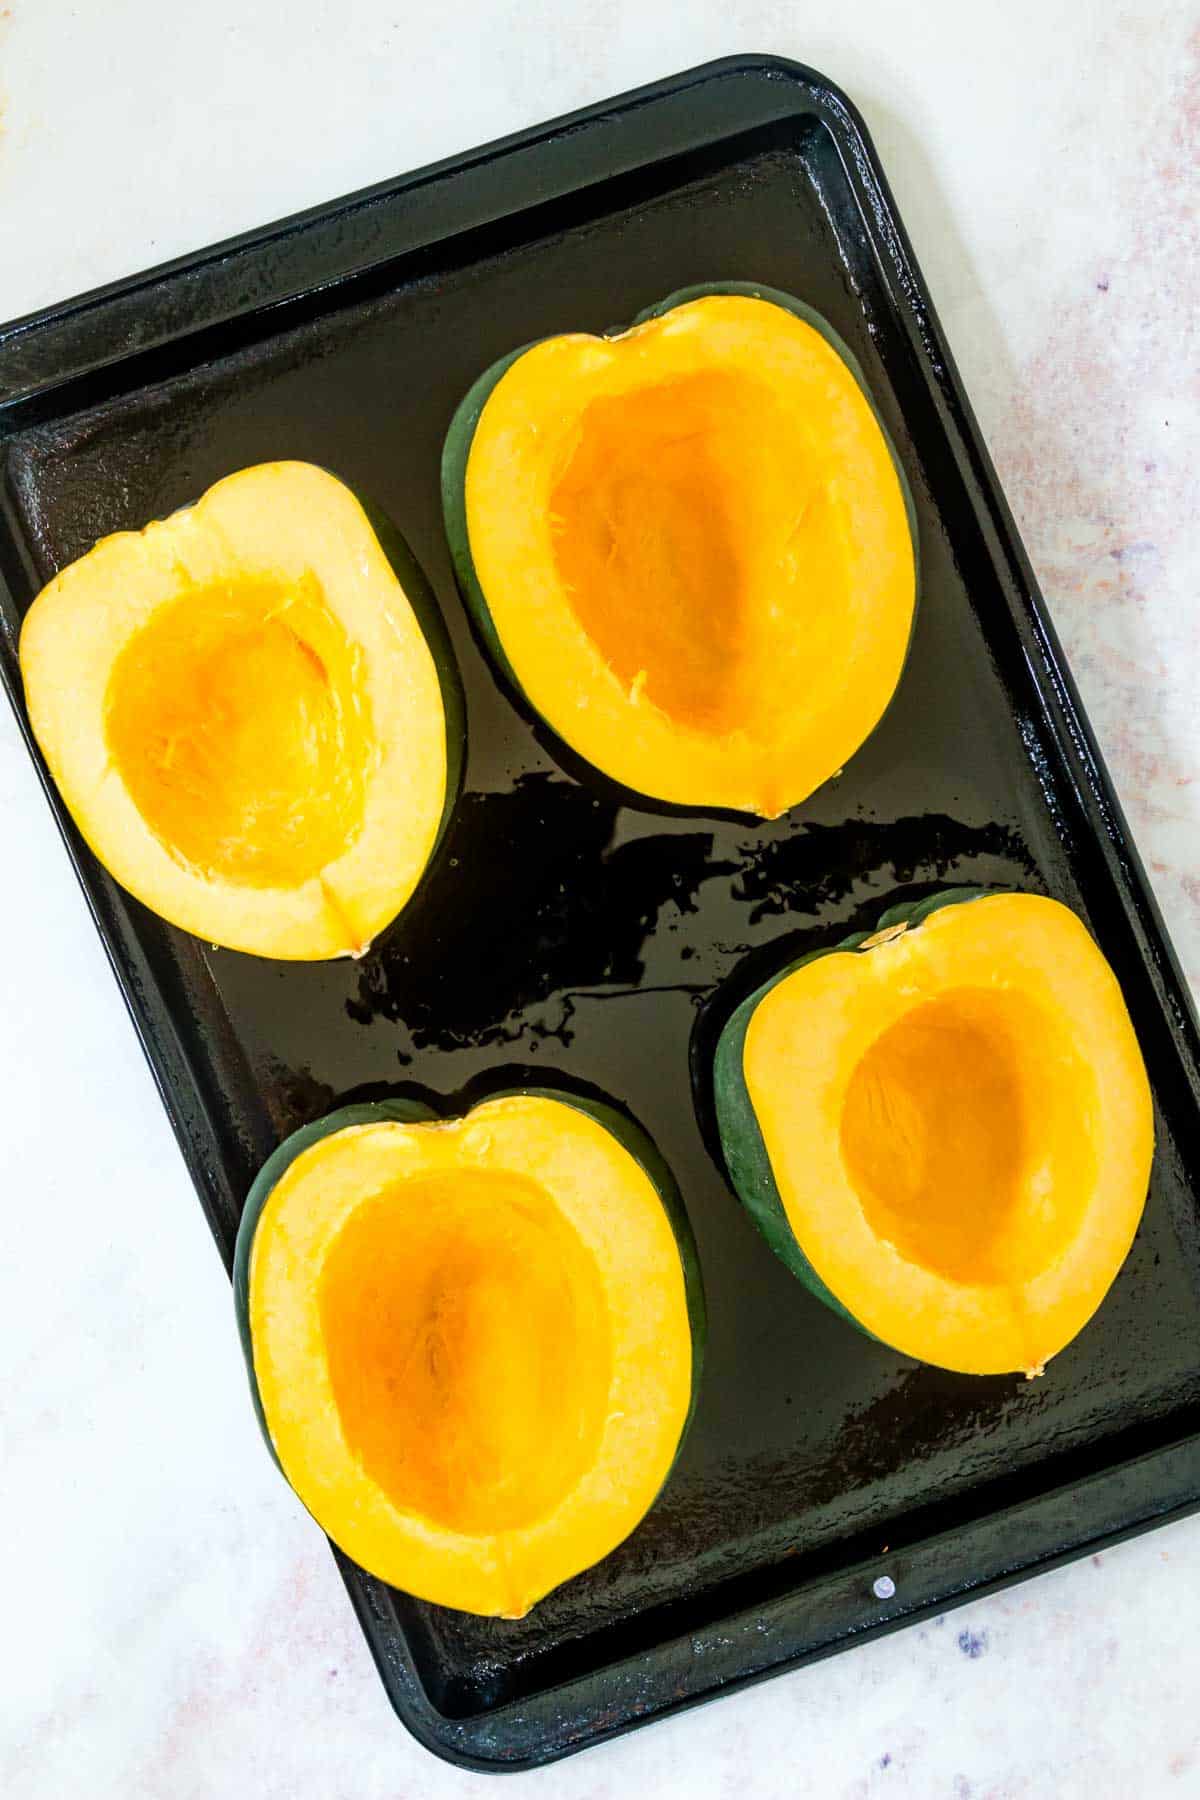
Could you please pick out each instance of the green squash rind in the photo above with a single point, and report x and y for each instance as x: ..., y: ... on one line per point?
x: 742, y: 1145
x: 457, y: 450
x: 631, y: 1136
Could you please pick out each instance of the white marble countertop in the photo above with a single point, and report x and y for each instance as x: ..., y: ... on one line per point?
x: 174, y: 1626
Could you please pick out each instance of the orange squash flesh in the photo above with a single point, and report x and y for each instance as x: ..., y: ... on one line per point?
x: 670, y: 495
x: 471, y: 1342
x: 249, y: 712
x: 981, y: 1086
x: 689, y: 545
x: 243, y: 746
x: 958, y: 1131
x: 469, y: 1347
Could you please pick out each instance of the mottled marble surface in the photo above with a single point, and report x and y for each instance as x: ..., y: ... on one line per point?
x: 173, y: 1625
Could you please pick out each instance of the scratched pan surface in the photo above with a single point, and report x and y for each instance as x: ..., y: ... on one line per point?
x: 568, y: 935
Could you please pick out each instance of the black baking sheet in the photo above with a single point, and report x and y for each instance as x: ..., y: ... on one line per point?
x: 565, y: 935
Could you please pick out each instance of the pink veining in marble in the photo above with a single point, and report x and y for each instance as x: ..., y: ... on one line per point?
x: 1097, y: 452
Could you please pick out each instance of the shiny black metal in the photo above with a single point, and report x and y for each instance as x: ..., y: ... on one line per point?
x: 565, y: 933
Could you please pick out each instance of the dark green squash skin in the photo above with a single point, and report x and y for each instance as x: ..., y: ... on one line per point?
x: 407, y: 1112
x: 457, y: 450
x: 742, y: 1143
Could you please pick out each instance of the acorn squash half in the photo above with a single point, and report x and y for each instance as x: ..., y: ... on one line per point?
x: 251, y: 711
x: 689, y: 546
x: 473, y: 1344
x: 945, y: 1128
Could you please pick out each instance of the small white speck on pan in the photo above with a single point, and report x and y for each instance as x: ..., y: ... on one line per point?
x: 883, y: 1587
